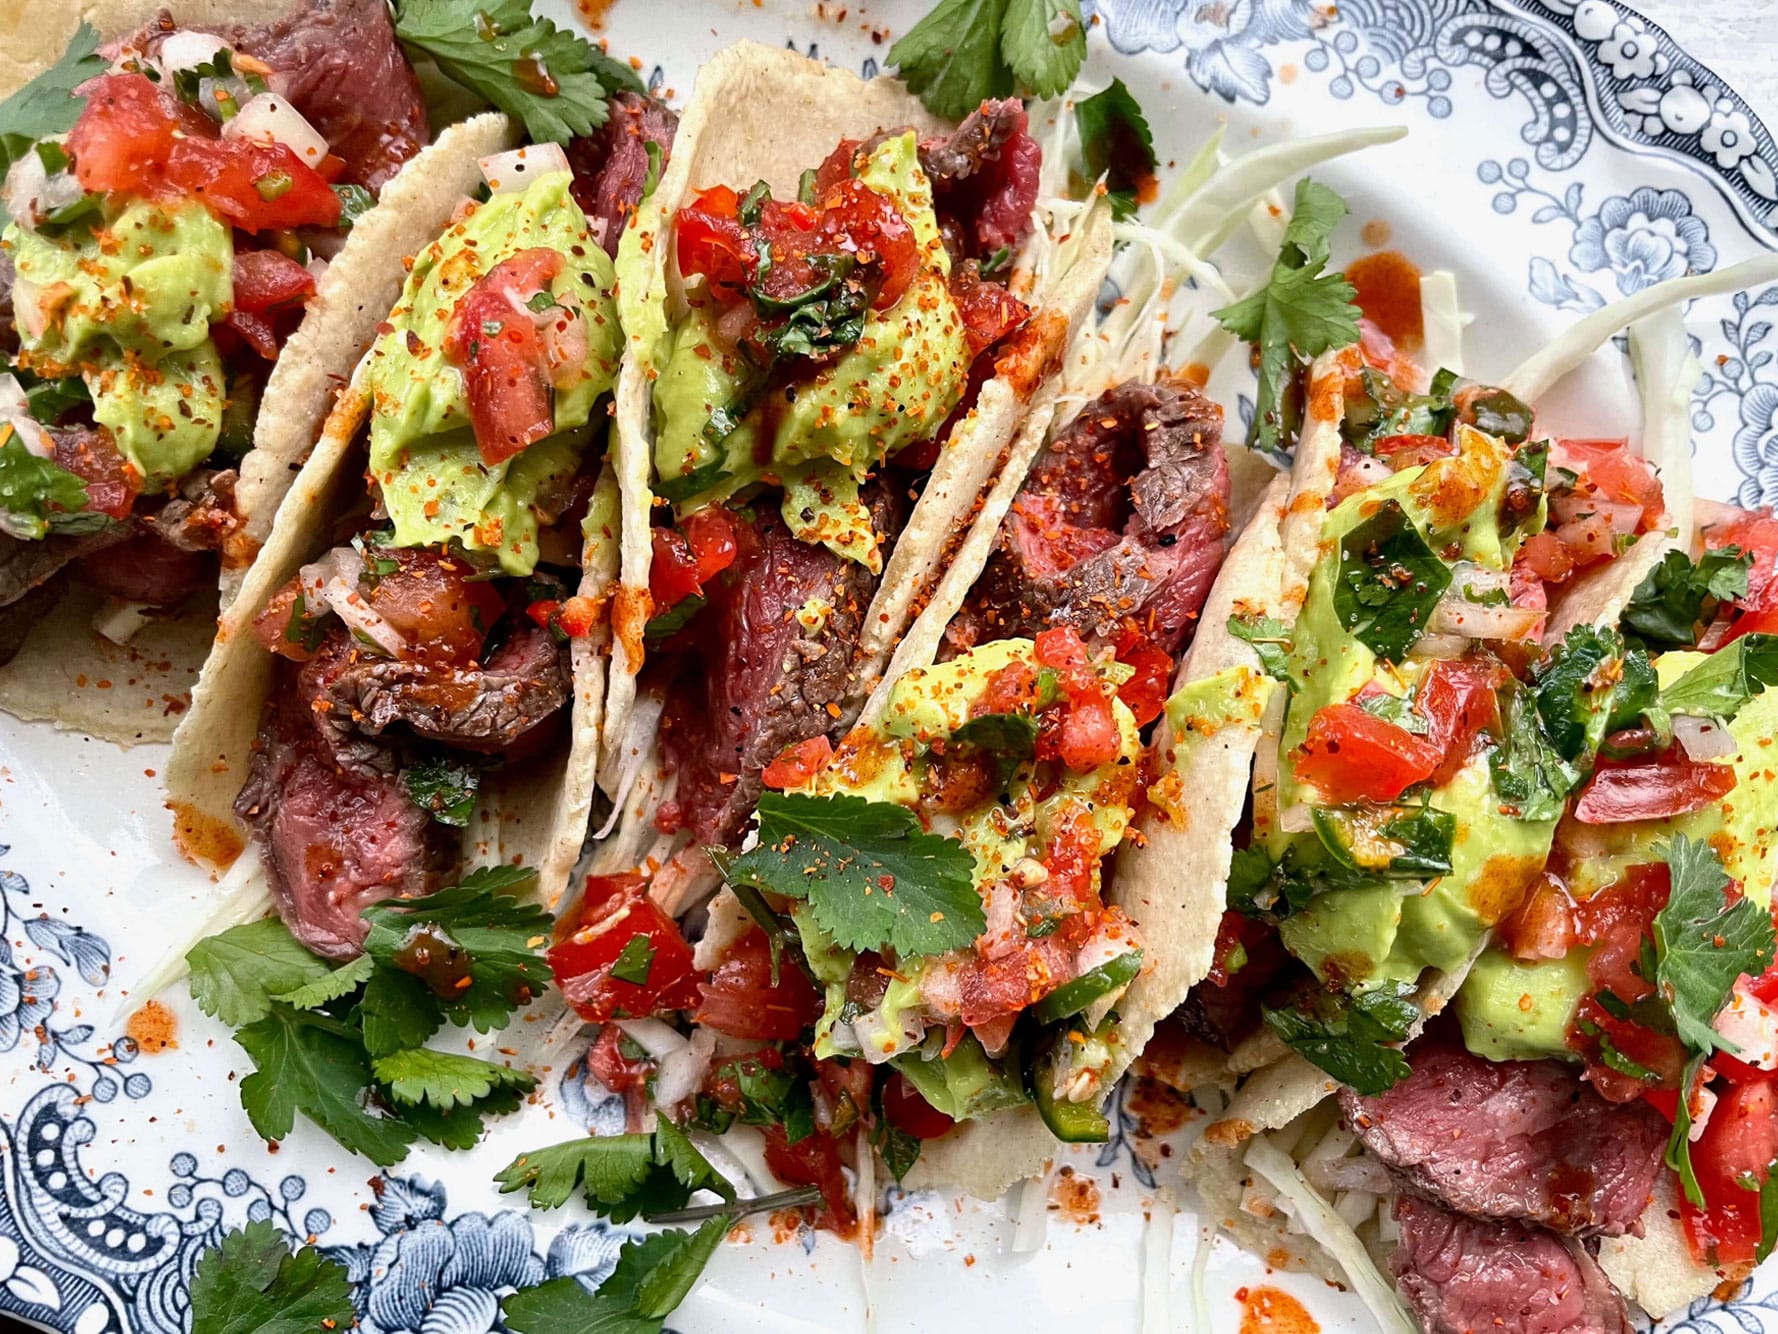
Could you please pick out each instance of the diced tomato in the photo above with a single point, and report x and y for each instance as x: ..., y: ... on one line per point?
x: 1081, y: 729
x: 1545, y: 556
x: 797, y: 763
x: 1457, y: 700
x: 836, y: 166
x: 617, y: 1072
x: 740, y: 999
x: 907, y: 1111
x: 710, y: 240
x: 493, y: 339
x: 991, y: 989
x: 1352, y: 755
x: 989, y: 309
x: 1620, y: 475
x: 1145, y: 693
x: 1542, y: 926
x: 1732, y: 1158
x: 814, y: 1160
x: 1071, y: 856
x: 573, y: 618
x: 1239, y: 938
x: 431, y: 599
x: 865, y: 223
x: 684, y: 561
x: 1410, y: 451
x: 267, y: 285
x: 711, y: 533
x: 255, y: 186
x: 1010, y: 689
x: 279, y: 627
x: 615, y: 913
x: 1754, y: 533
x: 1651, y: 788
x: 112, y: 482
x: 122, y: 139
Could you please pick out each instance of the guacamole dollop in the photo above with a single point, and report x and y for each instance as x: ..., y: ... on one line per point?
x: 423, y: 454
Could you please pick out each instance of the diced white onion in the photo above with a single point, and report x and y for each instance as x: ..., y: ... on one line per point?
x: 188, y: 49
x: 269, y: 118
x: 31, y: 194
x: 1701, y: 1110
x: 15, y: 411
x: 1265, y: 766
x: 1367, y: 470
x: 878, y: 1042
x: 27, y: 307
x: 1703, y: 738
x: 655, y: 1036
x: 1296, y: 818
x: 1355, y: 1206
x: 681, y: 1072
x: 1460, y: 617
x: 1440, y: 646
x: 727, y: 922
x: 120, y: 621
x: 513, y: 171
x: 1002, y: 934
x: 1750, y: 1025
x: 562, y: 330
x: 333, y: 581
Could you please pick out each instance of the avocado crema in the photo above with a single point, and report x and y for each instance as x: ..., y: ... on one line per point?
x: 1513, y: 1009
x: 423, y: 452
x: 127, y: 305
x: 820, y: 435
x: 1011, y: 831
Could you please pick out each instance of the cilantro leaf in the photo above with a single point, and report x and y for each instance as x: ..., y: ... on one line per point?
x: 461, y: 1127
x: 1589, y: 687
x: 1044, y: 42
x: 1270, y: 639
x: 1529, y: 773
x: 871, y: 875
x: 1703, y: 943
x: 481, y: 43
x: 445, y: 1080
x: 1258, y: 888
x: 1768, y: 1217
x: 1396, y: 842
x: 623, y: 1176
x: 474, y: 931
x: 236, y: 973
x: 1348, y: 1036
x: 770, y: 1097
x: 951, y: 58
x: 1731, y: 676
x: 900, y: 1150
x: 1381, y: 409
x: 444, y: 789
x: 1676, y: 597
x: 1117, y: 144
x: 1300, y: 313
x: 309, y: 1063
x: 652, y: 1278
x: 1388, y: 583
x: 338, y: 984
x: 251, y: 1283
x: 36, y: 495
x: 47, y: 105
x: 1009, y: 739
x: 397, y: 1011
x: 49, y: 400
x: 1679, y: 1143
x: 634, y: 961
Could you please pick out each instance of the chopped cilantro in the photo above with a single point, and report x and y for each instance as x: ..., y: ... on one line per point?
x: 1270, y: 639
x: 553, y: 80
x: 1009, y: 739
x: 51, y: 400
x: 1679, y: 596
x: 355, y: 202
x: 445, y: 1080
x: 634, y: 961
x: 1529, y: 773
x: 871, y: 875
x: 1300, y: 313
x: 1720, y: 685
x: 900, y: 1150
x: 1394, y: 709
x: 1388, y: 583
x: 623, y: 1176
x: 1703, y: 943
x: 1590, y: 686
x: 1350, y: 1036
x: 444, y: 788
x: 36, y: 496
x: 252, y: 1283
x: 1117, y: 144
x: 47, y: 105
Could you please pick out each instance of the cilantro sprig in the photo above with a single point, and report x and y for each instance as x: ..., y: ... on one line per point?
x: 553, y: 80
x: 1703, y: 942
x: 1352, y: 1037
x: 654, y: 1275
x: 966, y: 51
x: 871, y: 876
x: 252, y: 1283
x: 1116, y: 144
x: 1677, y: 597
x: 345, y: 1046
x: 47, y: 105
x: 1300, y: 313
x: 623, y: 1176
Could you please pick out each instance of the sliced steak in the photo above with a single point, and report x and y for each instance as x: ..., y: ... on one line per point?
x: 146, y: 568
x: 984, y: 177
x: 1122, y: 519
x: 762, y: 682
x: 1464, y: 1276
x: 611, y: 164
x: 1523, y: 1140
x: 336, y: 837
x: 202, y: 515
x: 340, y: 65
x: 491, y: 707
x: 25, y: 564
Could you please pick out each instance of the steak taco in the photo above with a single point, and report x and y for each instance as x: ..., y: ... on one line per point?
x: 424, y: 627
x: 1494, y: 795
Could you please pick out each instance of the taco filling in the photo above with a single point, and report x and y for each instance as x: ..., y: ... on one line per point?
x: 158, y: 255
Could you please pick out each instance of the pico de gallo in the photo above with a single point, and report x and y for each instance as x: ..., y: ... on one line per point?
x: 159, y: 252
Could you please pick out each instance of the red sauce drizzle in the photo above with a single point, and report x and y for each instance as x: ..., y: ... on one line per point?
x: 1392, y: 331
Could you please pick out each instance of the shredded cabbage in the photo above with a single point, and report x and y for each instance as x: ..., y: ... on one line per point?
x: 1333, y: 1234
x: 1442, y: 318
x: 1569, y: 349
x: 244, y: 894
x: 1666, y: 374
x: 1157, y: 1266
